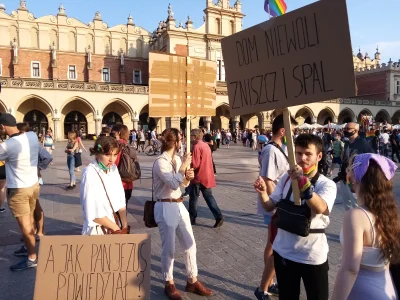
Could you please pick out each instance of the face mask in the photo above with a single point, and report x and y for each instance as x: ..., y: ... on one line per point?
x: 102, y: 166
x: 349, y: 134
x: 309, y: 170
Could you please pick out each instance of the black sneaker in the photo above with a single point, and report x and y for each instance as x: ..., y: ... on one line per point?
x: 24, y: 265
x: 21, y: 251
x: 70, y: 187
x: 260, y: 295
x: 273, y: 289
x: 2, y: 210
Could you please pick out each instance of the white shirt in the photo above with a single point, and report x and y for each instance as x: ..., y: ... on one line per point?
x: 21, y: 155
x: 274, y: 166
x: 94, y: 201
x: 384, y: 138
x: 153, y: 135
x: 166, y: 181
x: 313, y: 249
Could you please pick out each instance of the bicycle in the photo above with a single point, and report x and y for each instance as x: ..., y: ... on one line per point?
x: 153, y: 149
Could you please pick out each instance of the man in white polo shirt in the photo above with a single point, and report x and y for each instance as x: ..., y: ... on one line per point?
x: 20, y: 152
x: 301, y: 247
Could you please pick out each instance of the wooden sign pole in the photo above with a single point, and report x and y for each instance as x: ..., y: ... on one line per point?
x: 291, y: 156
x: 188, y: 123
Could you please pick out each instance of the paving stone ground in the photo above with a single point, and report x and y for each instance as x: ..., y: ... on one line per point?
x: 230, y: 259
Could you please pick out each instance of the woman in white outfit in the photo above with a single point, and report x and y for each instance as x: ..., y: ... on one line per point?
x: 172, y: 217
x: 101, y: 184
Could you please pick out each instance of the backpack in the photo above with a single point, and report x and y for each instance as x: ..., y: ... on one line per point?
x: 129, y: 167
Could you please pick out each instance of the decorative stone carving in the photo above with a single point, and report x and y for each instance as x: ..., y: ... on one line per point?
x: 61, y: 10
x: 15, y: 51
x: 22, y: 4
x: 16, y: 83
x: 123, y: 28
x: 90, y: 87
x: 130, y: 20
x: 76, y: 86
x: 3, y: 83
x: 129, y: 89
x: 48, y: 85
x: 116, y: 88
x: 53, y: 19
x: 53, y: 54
x: 103, y: 87
x: 31, y: 16
x: 70, y: 21
x: 170, y: 12
x: 97, y: 16
x: 91, y: 25
x: 32, y: 84
x: 62, y: 85
x: 122, y: 57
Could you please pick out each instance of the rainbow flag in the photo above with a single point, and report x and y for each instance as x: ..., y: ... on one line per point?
x: 275, y: 8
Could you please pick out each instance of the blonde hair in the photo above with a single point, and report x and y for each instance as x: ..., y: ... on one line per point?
x: 72, y: 136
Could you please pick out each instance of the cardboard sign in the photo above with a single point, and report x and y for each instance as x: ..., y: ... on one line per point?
x: 94, y: 267
x: 301, y: 57
x: 181, y: 86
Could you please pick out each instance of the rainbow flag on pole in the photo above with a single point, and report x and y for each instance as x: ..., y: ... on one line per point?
x: 275, y: 8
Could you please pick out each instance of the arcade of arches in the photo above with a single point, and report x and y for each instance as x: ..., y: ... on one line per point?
x: 78, y: 114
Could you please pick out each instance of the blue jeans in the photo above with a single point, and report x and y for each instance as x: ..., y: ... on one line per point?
x: 194, y: 193
x: 71, y: 167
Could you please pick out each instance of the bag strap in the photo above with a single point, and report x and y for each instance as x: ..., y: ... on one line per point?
x: 280, y: 149
x: 108, y: 198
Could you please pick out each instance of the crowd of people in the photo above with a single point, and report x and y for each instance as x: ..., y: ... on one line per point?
x: 296, y: 245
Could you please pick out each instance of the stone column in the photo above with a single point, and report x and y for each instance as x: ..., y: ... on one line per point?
x: 335, y: 120
x: 135, y: 123
x: 57, y: 131
x: 313, y: 120
x: 207, y: 122
x: 235, y: 122
x: 98, y: 125
x: 176, y: 122
x: 264, y: 122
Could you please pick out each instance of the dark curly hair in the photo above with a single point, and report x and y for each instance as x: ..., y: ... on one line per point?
x: 104, y: 145
x: 378, y: 197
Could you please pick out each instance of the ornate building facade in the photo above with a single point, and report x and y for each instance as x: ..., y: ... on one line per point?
x: 58, y: 72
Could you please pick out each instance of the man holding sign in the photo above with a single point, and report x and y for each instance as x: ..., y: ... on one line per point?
x: 301, y: 254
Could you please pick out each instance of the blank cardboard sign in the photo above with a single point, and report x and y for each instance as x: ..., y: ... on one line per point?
x: 180, y: 86
x: 301, y: 57
x: 113, y: 267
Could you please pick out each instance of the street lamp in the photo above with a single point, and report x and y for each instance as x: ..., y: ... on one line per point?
x: 34, y: 117
x: 76, y: 117
x: 113, y: 119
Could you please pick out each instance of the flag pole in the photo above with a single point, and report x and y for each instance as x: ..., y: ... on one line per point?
x: 269, y: 12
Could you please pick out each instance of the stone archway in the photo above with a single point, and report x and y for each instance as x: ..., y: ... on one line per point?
x: 37, y: 121
x: 325, y: 116
x: 222, y: 117
x: 3, y: 108
x: 110, y: 119
x: 36, y: 111
x: 346, y: 116
x: 146, y: 122
x: 382, y: 116
x: 396, y: 118
x: 118, y: 108
x: 364, y: 112
x: 78, y: 114
x: 307, y: 114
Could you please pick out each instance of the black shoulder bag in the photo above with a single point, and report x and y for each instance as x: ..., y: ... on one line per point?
x: 293, y: 218
x: 280, y: 149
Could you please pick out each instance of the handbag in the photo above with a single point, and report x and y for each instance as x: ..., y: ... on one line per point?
x: 148, y: 213
x: 293, y: 218
x: 117, y: 219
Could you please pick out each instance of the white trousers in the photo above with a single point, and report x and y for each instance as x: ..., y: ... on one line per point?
x: 173, y: 220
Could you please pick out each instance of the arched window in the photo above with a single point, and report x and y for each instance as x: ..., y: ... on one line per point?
x: 139, y: 48
x: 34, y: 38
x: 71, y: 41
x: 218, y: 26
x: 54, y: 38
x: 232, y: 27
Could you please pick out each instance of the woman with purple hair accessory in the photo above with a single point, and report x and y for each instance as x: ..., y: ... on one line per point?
x: 370, y: 234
